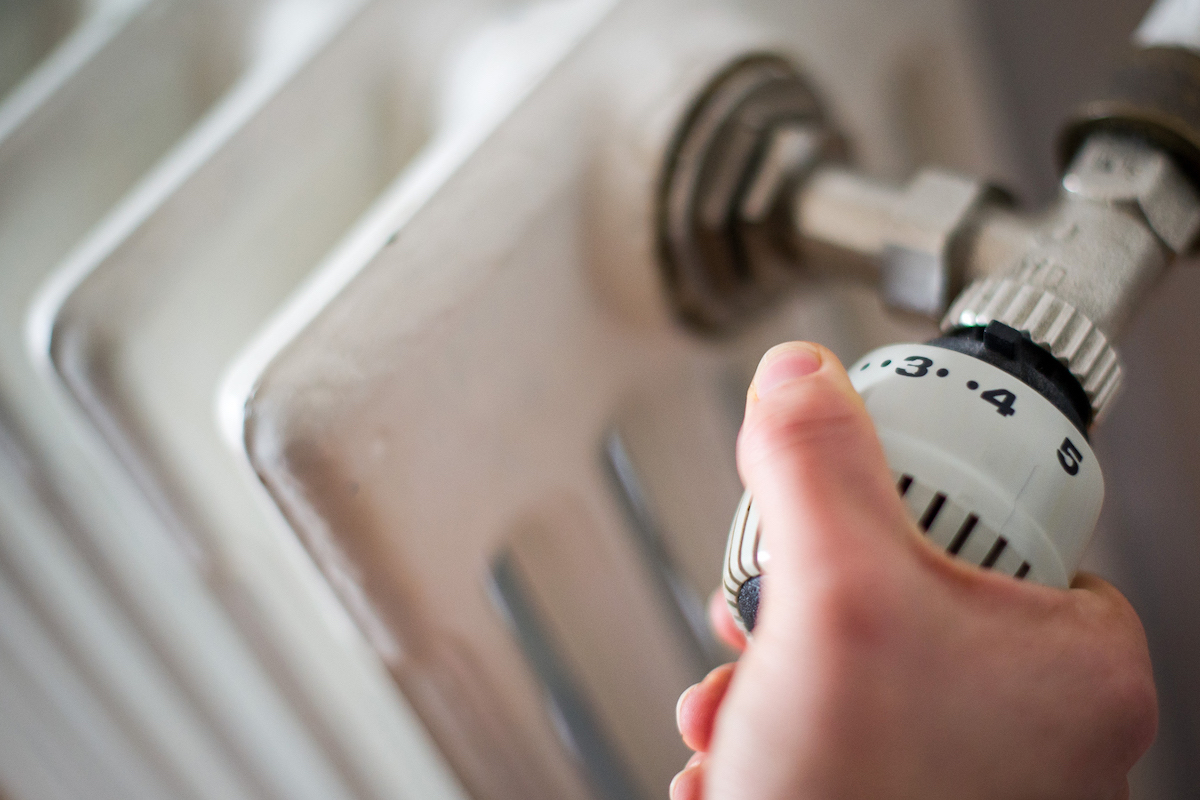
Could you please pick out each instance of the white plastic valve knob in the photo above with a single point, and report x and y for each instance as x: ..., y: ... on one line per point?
x: 990, y: 469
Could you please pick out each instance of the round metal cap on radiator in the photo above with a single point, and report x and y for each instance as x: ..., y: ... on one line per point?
x: 991, y: 469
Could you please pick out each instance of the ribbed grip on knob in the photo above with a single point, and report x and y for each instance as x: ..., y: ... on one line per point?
x: 1051, y: 322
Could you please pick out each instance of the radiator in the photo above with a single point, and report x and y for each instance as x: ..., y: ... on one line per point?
x: 348, y: 446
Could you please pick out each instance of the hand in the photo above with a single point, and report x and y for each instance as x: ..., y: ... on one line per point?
x: 881, y: 667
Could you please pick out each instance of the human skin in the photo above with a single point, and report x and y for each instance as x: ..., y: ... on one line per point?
x: 882, y: 668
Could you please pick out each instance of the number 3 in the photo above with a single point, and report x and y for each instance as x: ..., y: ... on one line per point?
x: 922, y: 365
x: 1069, y: 457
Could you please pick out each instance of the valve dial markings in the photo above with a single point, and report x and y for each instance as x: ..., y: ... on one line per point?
x: 919, y: 366
x: 994, y: 554
x: 937, y: 511
x: 931, y: 511
x: 963, y: 534
x: 945, y: 522
x: 1002, y: 399
x: 1069, y: 457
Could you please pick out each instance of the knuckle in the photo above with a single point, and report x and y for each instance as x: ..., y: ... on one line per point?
x: 1129, y: 707
x: 1133, y: 701
x: 850, y: 618
x: 1127, y: 694
x: 1139, y: 702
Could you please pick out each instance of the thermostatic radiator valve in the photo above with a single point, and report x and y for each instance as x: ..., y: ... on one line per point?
x: 988, y: 450
x: 985, y: 428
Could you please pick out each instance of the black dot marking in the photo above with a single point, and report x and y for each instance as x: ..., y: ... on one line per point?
x: 1023, y: 571
x: 994, y: 554
x: 941, y: 373
x: 972, y: 385
x: 864, y: 366
x: 905, y: 482
x: 884, y: 364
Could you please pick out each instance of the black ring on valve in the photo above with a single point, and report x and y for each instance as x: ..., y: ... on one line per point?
x: 1017, y: 354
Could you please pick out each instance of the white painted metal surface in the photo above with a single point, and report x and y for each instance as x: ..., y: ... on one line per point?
x: 187, y: 662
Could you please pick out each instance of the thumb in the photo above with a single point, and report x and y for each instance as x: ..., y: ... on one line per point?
x: 809, y: 454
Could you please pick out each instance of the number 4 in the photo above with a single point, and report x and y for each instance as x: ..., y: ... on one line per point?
x: 1003, y: 400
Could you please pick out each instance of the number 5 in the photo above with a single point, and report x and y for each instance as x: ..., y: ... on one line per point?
x: 1069, y: 457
